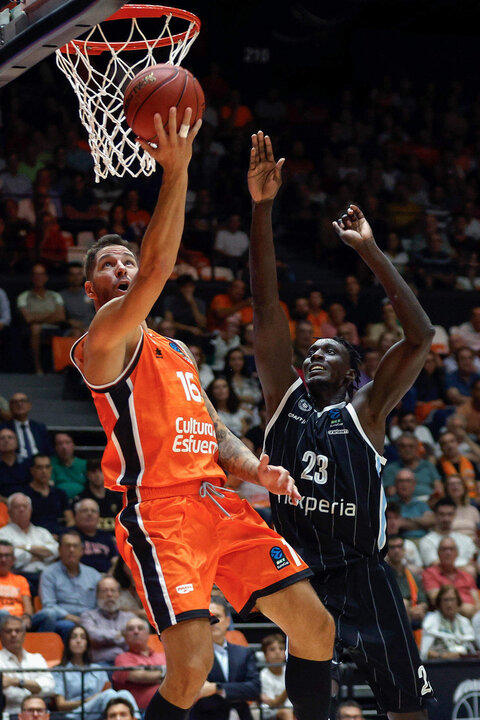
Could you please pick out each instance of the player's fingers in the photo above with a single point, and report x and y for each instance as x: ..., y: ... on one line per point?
x: 337, y: 227
x: 255, y: 140
x: 194, y: 131
x: 264, y: 460
x: 261, y: 145
x: 172, y: 124
x: 356, y: 210
x: 269, y: 149
x: 253, y: 159
x: 159, y: 129
x: 280, y: 163
x: 185, y: 126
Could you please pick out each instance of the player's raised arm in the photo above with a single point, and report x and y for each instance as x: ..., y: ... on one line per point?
x: 273, y: 349
x: 401, y: 365
x: 116, y: 319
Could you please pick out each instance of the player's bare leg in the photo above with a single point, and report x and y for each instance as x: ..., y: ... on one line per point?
x: 297, y: 610
x: 189, y: 654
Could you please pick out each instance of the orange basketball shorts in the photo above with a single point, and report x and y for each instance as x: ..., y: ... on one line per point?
x: 178, y: 547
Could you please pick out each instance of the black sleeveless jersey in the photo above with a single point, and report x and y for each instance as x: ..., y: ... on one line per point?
x: 341, y: 517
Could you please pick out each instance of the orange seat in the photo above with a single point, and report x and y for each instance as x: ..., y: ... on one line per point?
x: 48, y: 644
x: 4, y: 519
x: 155, y: 644
x: 236, y: 637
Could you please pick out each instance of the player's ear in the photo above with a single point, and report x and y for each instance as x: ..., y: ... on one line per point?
x: 89, y: 289
x: 350, y: 375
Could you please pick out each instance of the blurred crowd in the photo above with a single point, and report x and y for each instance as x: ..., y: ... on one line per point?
x: 410, y: 158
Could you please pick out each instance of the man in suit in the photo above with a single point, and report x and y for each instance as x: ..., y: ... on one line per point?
x: 32, y: 436
x: 234, y: 678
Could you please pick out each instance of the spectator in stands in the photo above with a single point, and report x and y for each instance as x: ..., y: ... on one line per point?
x: 336, y: 320
x: 231, y: 244
x: 5, y: 322
x: 42, y: 310
x: 416, y: 514
x: 432, y: 267
x: 33, y: 705
x: 225, y: 339
x: 457, y: 424
x: 246, y: 387
x: 410, y: 585
x: 316, y: 314
x: 205, y: 372
x: 470, y: 410
x: 137, y: 217
x: 14, y: 472
x: 142, y: 683
x: 455, y: 343
x: 109, y: 502
x: 89, y: 695
x: 388, y: 324
x: 68, y: 588
x: 407, y: 423
x: 119, y: 709
x: 118, y: 222
x: 186, y: 311
x: 35, y: 547
x: 106, y: 623
x: 99, y: 546
x: 302, y: 341
x: 444, y: 511
x: 394, y: 527
x: 49, y: 243
x: 129, y: 600
x: 470, y: 330
x: 371, y: 359
x: 18, y: 685
x: 51, y: 507
x: 15, y: 596
x: 80, y: 207
x: 349, y: 710
x: 459, y: 383
x: 446, y: 633
x: 356, y: 303
x: 79, y: 308
x: 13, y: 183
x: 273, y: 695
x: 452, y: 462
x: 235, y: 300
x: 467, y: 516
x: 227, y: 405
x: 68, y: 471
x: 32, y: 436
x: 234, y: 679
x: 426, y: 475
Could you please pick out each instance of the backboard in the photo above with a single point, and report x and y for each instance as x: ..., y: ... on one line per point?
x: 32, y: 29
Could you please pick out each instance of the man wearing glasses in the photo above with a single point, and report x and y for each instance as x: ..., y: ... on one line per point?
x: 33, y: 706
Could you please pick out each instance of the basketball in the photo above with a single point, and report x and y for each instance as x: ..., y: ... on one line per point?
x: 155, y: 90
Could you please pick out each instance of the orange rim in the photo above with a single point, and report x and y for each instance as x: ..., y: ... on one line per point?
x: 135, y: 11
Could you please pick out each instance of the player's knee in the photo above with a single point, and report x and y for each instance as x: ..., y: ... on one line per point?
x: 187, y: 680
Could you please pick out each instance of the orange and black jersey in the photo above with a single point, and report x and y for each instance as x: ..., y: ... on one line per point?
x: 160, y: 435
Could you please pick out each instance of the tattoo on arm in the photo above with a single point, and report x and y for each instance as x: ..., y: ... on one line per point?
x: 234, y: 456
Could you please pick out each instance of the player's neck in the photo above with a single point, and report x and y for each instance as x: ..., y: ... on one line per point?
x: 324, y: 397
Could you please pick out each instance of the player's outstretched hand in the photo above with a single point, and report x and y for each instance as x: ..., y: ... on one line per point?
x: 353, y: 229
x: 174, y: 150
x: 264, y: 174
x: 277, y: 480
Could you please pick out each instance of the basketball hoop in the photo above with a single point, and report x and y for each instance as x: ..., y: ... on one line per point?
x: 99, y: 81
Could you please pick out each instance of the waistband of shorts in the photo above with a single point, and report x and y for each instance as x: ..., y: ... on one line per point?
x: 189, y: 488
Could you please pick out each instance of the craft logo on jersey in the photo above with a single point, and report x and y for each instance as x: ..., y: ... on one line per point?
x: 158, y: 353
x: 304, y: 405
x: 278, y: 557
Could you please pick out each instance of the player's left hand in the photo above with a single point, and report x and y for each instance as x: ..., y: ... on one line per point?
x: 277, y: 480
x: 353, y: 229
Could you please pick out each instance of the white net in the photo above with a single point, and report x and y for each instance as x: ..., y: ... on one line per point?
x: 99, y: 82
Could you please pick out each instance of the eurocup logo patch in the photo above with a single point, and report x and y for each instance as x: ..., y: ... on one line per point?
x: 278, y: 558
x: 304, y: 405
x: 334, y: 413
x: 176, y: 347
